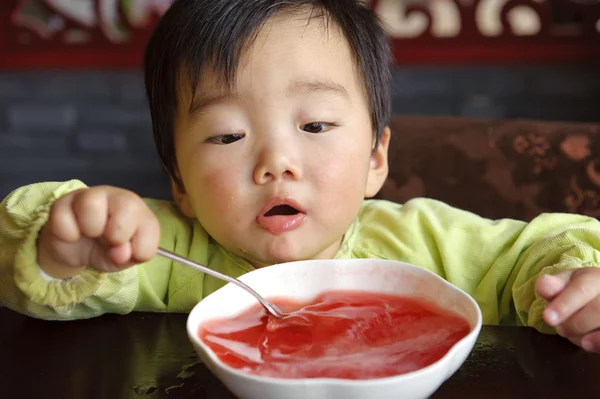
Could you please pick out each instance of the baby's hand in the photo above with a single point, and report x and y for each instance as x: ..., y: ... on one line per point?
x: 574, y: 305
x: 103, y: 227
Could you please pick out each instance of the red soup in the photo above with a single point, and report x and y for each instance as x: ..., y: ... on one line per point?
x: 339, y: 334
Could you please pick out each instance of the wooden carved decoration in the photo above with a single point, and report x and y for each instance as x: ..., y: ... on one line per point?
x: 114, y: 32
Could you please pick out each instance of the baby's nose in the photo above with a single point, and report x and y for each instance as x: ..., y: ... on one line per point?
x: 277, y: 164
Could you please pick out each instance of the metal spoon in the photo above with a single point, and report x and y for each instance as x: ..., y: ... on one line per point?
x: 269, y: 307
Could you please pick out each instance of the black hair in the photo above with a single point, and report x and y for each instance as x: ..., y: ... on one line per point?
x: 194, y: 34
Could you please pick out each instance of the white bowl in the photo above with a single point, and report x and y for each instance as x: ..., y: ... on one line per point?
x: 304, y: 280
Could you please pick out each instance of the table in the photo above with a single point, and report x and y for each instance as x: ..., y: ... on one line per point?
x: 148, y: 355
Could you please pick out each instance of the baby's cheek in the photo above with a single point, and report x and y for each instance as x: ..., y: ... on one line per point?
x: 343, y: 173
x: 219, y: 190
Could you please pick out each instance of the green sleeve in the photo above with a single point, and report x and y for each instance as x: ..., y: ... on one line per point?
x: 148, y: 286
x: 495, y: 261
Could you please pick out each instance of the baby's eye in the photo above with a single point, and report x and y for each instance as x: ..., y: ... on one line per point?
x: 225, y: 139
x: 316, y: 127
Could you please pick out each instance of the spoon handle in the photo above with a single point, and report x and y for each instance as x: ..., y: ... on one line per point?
x: 268, y: 306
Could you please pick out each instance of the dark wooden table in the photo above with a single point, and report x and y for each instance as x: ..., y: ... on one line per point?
x: 148, y: 355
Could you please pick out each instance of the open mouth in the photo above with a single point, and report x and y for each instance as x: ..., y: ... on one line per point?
x: 282, y: 210
x: 281, y: 216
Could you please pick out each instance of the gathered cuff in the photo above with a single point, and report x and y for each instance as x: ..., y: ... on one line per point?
x: 535, y: 310
x: 54, y: 293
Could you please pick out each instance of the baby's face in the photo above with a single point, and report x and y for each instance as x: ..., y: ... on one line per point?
x: 276, y: 169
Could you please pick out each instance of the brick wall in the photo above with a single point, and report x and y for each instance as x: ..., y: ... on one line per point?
x: 95, y: 125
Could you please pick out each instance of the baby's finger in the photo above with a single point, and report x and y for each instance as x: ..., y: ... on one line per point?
x: 90, y: 209
x: 581, y: 289
x: 120, y: 255
x: 591, y: 342
x: 585, y: 320
x: 62, y: 221
x: 548, y: 286
x: 122, y: 220
x: 146, y: 238
x: 110, y: 259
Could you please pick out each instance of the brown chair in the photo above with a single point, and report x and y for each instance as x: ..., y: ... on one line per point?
x: 496, y: 168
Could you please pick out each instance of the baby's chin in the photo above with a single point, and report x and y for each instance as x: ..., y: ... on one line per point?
x: 263, y: 262
x: 286, y: 256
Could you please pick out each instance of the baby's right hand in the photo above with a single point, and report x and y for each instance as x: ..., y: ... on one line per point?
x: 107, y: 228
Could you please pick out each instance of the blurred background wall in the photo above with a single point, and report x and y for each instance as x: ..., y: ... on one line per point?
x: 72, y: 102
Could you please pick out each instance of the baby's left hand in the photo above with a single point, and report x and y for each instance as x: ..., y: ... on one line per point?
x: 574, y: 305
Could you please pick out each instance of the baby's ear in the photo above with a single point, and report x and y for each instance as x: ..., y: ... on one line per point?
x: 378, y: 171
x: 182, y: 200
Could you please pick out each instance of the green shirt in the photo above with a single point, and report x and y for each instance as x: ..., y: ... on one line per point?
x: 496, y: 262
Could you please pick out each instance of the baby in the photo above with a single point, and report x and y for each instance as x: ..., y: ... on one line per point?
x: 271, y: 118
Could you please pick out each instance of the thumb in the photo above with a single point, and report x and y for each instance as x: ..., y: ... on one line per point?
x: 110, y: 258
x: 550, y: 285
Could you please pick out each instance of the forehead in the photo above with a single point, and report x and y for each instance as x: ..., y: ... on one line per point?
x: 291, y: 46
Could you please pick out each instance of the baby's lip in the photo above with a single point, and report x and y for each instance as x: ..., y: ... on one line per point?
x: 281, y: 215
x: 281, y: 201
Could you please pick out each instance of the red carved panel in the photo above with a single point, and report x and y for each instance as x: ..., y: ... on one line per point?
x: 501, y: 30
x: 88, y: 33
